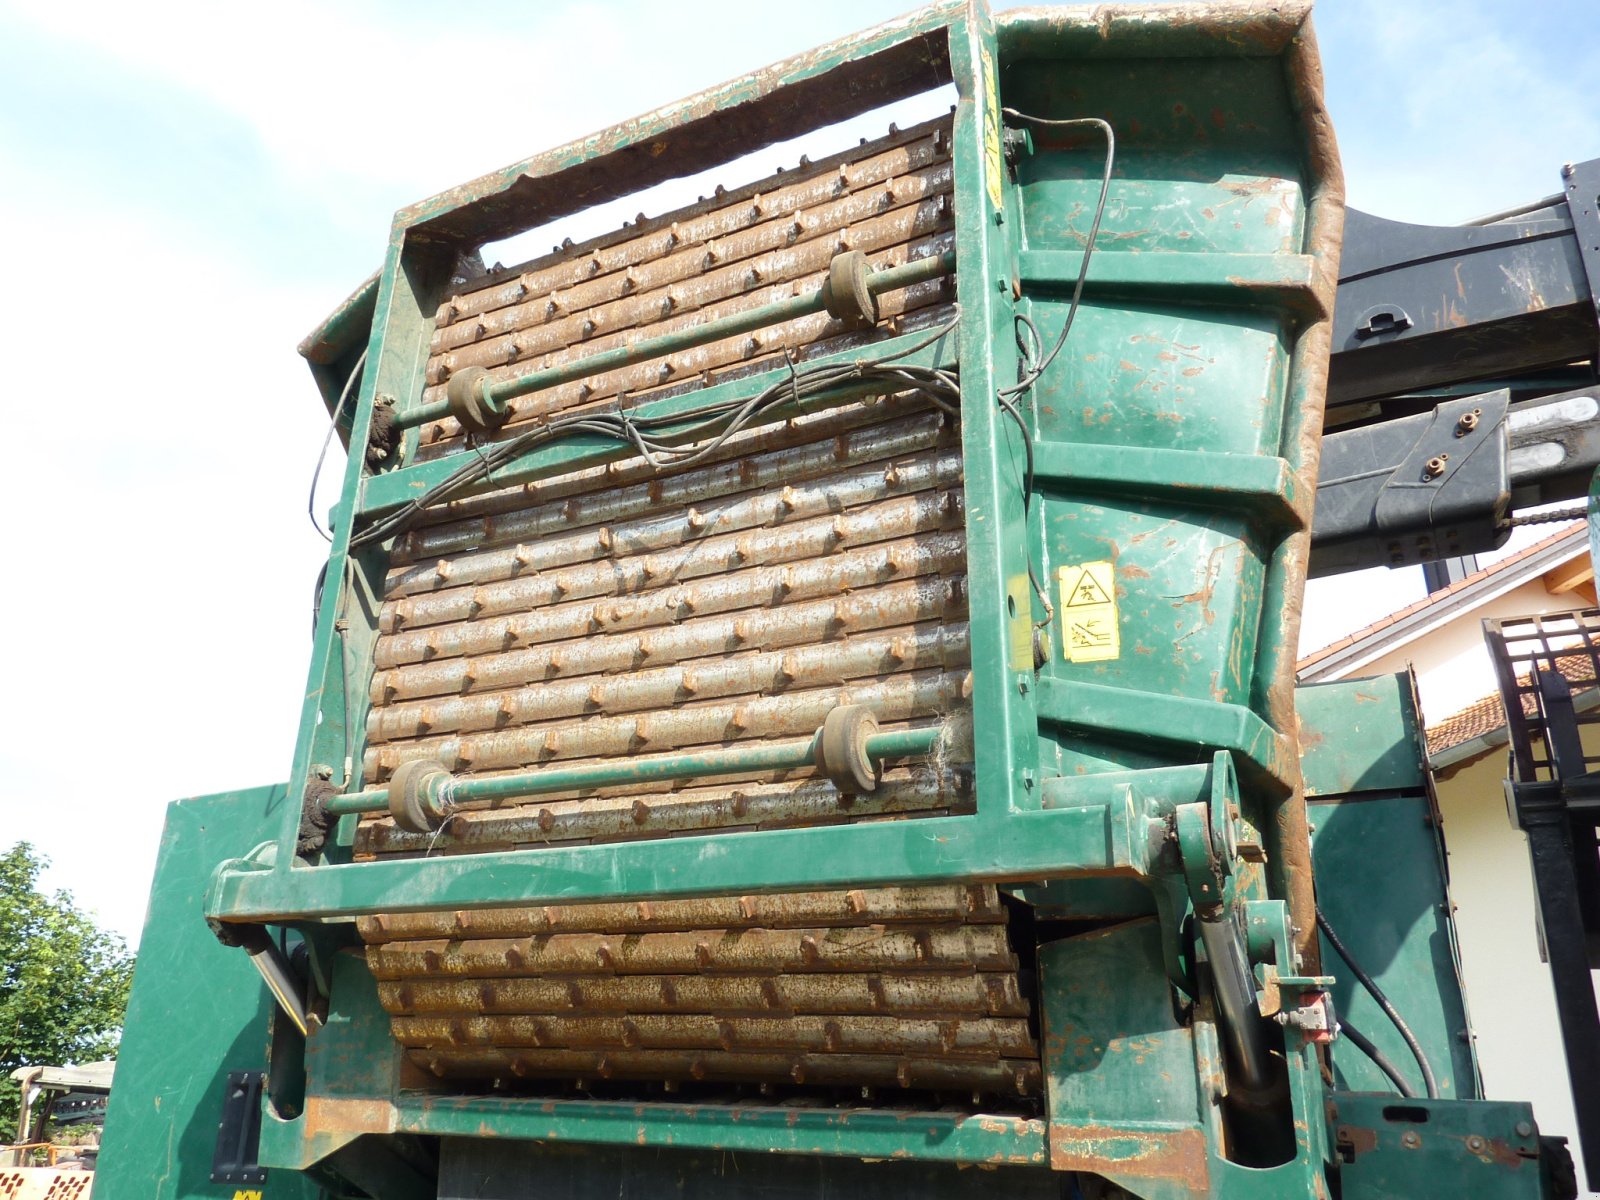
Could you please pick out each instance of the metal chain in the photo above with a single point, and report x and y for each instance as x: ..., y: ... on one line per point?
x: 1574, y: 513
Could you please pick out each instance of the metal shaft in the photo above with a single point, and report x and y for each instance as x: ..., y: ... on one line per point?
x: 497, y: 395
x: 770, y: 757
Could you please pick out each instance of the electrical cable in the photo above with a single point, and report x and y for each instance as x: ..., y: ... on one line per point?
x: 686, y: 438
x: 1379, y: 1059
x: 1031, y: 373
x: 1030, y: 366
x: 333, y: 423
x: 1389, y: 1009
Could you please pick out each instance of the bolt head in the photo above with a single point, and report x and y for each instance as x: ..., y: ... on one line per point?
x: 1410, y: 1139
x: 1524, y: 1129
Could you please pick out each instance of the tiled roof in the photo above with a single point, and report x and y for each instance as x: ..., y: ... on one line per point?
x: 1475, y: 720
x: 1488, y: 715
x: 1444, y: 594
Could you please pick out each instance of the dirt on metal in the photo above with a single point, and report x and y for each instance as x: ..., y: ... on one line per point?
x: 620, y: 611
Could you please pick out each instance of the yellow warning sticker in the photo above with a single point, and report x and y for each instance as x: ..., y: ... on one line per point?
x: 1089, y: 613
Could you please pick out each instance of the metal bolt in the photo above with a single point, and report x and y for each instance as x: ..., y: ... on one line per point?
x: 1524, y: 1129
x: 1476, y: 1144
x: 1468, y: 422
x: 1435, y: 466
x: 1411, y: 1139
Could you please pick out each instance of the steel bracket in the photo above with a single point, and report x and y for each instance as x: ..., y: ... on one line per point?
x: 1414, y: 490
x: 238, y: 1146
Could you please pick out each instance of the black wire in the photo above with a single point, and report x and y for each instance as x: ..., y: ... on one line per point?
x: 1030, y: 366
x: 1379, y: 1059
x: 1389, y: 1009
x: 691, y: 436
x: 333, y: 423
x: 1032, y: 372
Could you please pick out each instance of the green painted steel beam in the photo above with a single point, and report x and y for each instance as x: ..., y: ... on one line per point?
x: 1275, y: 281
x: 394, y: 489
x: 847, y: 1133
x: 1021, y: 845
x: 1169, y: 720
x: 197, y: 1012
x: 1187, y: 477
x: 764, y: 756
x: 702, y: 130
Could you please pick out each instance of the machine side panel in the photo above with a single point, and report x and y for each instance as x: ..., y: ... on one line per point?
x: 198, y: 1012
x: 1381, y: 883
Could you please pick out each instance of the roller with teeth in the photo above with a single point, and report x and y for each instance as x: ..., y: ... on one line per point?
x: 802, y: 697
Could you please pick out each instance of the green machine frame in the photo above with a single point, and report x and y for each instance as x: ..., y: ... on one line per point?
x: 1150, y: 793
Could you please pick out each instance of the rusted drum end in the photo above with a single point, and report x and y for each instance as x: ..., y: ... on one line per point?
x: 412, y: 791
x: 842, y: 749
x: 469, y: 405
x: 846, y: 295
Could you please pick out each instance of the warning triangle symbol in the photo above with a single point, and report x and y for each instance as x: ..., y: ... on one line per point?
x: 1087, y: 591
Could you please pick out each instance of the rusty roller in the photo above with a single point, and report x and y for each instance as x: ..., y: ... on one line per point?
x: 806, y: 579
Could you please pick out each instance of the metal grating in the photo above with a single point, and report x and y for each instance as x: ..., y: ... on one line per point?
x: 890, y: 198
x: 1567, y: 643
x: 896, y: 987
x: 618, y: 612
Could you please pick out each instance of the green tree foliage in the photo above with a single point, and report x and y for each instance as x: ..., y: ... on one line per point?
x: 63, y: 980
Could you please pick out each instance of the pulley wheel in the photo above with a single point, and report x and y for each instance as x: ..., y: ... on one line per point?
x: 842, y: 749
x: 846, y: 295
x: 464, y: 393
x: 409, y: 788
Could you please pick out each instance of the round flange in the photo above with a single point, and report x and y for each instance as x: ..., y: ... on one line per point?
x: 846, y: 295
x: 842, y: 748
x: 412, y: 789
x: 464, y: 393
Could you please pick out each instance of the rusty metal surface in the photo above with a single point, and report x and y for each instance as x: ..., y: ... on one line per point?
x: 976, y: 904
x: 822, y: 86
x: 646, y: 811
x: 1004, y: 1077
x: 899, y: 604
x: 824, y: 949
x: 941, y: 554
x: 970, y: 1037
x: 1290, y: 841
x: 889, y: 198
x: 846, y: 510
x: 802, y: 450
x: 977, y: 994
x: 1133, y: 1152
x: 621, y: 611
x: 724, y: 214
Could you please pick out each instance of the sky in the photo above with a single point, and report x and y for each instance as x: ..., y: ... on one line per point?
x: 190, y: 187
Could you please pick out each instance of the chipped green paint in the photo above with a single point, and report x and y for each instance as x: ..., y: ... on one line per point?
x: 1173, y: 438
